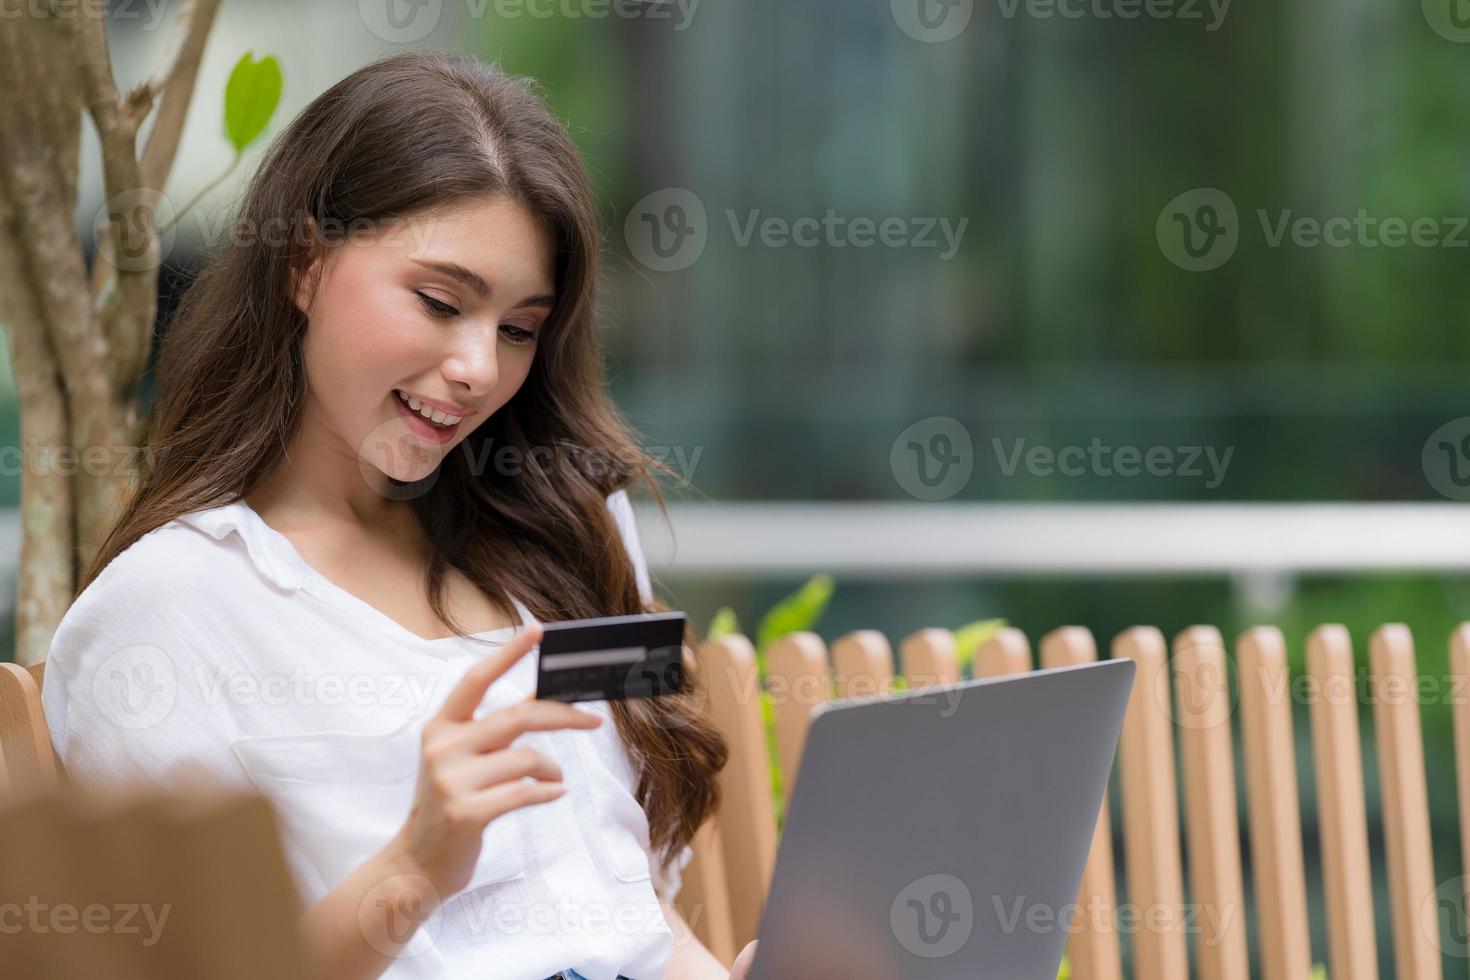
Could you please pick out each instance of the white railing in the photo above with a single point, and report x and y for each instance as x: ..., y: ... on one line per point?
x: 906, y: 539
x: 1260, y: 546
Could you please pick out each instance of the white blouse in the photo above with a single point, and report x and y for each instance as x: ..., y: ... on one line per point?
x: 210, y: 642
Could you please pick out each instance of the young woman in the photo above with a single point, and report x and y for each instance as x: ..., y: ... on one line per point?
x: 381, y: 453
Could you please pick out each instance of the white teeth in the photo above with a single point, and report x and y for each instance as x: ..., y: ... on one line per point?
x: 432, y: 414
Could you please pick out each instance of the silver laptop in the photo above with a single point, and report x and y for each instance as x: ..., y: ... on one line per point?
x: 941, y: 833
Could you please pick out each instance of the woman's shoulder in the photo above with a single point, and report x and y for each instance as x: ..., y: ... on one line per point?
x: 157, y: 585
x: 125, y: 671
x: 186, y: 555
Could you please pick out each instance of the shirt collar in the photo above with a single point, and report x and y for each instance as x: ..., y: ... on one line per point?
x: 268, y: 550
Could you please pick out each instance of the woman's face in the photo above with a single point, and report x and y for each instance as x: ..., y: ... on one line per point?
x: 435, y: 313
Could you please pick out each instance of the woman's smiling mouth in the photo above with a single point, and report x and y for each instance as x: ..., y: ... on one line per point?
x: 436, y: 426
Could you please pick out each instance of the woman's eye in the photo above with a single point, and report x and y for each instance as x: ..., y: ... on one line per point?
x: 517, y: 334
x: 435, y: 307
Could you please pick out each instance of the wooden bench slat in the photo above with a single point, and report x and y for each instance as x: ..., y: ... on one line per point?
x: 1202, y: 709
x: 29, y: 763
x: 1338, y: 762
x: 747, y: 823
x: 862, y: 662
x: 799, y: 680
x: 1093, y: 949
x: 1459, y: 678
x: 1274, y: 811
x: 1405, y: 801
x: 1007, y: 652
x: 928, y: 658
x: 1150, y: 811
x: 704, y: 898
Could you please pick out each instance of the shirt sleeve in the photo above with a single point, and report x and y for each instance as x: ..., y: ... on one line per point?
x: 622, y: 510
x: 132, y: 692
x: 668, y: 879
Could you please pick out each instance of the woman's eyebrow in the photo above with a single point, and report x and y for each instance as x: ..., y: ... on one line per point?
x: 460, y: 274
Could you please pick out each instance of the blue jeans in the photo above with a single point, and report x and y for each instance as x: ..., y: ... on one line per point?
x: 574, y: 975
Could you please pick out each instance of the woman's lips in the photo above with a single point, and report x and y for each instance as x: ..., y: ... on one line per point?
x: 421, y: 426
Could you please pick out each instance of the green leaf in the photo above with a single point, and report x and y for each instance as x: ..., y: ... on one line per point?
x: 968, y: 638
x: 1319, y: 971
x: 773, y: 754
x: 251, y: 97
x: 723, y: 624
x: 798, y: 611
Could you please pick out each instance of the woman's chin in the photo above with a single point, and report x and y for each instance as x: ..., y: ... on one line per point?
x: 401, y: 477
x: 391, y: 454
x: 403, y: 484
x: 410, y: 477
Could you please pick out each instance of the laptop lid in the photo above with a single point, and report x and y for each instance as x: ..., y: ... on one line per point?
x: 942, y: 832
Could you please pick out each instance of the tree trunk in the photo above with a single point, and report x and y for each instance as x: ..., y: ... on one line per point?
x: 79, y: 338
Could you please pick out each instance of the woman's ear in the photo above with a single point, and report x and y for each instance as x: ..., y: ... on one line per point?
x: 306, y: 271
x: 304, y: 277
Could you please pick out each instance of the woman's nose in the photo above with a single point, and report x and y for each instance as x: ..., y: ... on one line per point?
x: 473, y: 364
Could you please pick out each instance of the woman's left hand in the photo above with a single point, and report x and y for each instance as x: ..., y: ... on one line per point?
x: 742, y: 962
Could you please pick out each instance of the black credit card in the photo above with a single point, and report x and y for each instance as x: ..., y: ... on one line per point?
x: 637, y: 656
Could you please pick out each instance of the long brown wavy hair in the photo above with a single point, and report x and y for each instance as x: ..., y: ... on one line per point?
x: 413, y: 134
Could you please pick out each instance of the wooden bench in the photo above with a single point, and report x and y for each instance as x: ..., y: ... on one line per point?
x: 189, y: 885
x: 173, y: 888
x: 1178, y: 704
x: 27, y: 762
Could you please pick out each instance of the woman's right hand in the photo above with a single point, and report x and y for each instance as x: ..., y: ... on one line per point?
x: 469, y: 774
